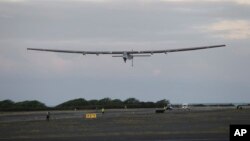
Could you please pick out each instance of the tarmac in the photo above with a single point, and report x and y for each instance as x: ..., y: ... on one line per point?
x: 196, y: 124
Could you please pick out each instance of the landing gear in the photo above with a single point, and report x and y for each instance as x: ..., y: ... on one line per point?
x: 132, y: 61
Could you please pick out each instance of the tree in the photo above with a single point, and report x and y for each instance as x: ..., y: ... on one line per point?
x: 117, y: 101
x: 30, y: 105
x: 105, y: 101
x: 6, y: 104
x: 93, y: 102
x: 162, y: 103
x: 131, y: 101
x: 76, y: 103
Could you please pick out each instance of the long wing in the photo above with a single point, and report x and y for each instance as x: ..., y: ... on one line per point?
x: 128, y: 52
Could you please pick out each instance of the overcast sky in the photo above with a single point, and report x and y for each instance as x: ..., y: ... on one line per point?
x: 205, y: 76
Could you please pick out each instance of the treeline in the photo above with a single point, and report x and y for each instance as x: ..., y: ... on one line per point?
x: 80, y: 103
x: 8, y: 105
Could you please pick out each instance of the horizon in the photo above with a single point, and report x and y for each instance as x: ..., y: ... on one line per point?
x: 137, y: 99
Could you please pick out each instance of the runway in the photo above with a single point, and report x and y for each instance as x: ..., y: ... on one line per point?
x: 198, y: 124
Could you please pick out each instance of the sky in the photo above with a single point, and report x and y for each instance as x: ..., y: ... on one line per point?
x: 218, y: 75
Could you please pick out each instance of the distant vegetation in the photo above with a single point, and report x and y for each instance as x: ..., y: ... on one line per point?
x: 81, y: 103
x: 8, y: 105
x: 109, y: 103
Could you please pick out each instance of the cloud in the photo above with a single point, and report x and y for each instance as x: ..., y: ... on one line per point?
x: 53, y: 63
x: 230, y: 29
x: 235, y: 1
x: 6, y: 65
x: 16, y: 60
x: 122, y: 25
x: 243, y: 2
x: 13, y: 1
x: 156, y: 72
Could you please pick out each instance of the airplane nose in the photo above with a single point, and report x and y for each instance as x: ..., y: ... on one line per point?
x: 125, y: 59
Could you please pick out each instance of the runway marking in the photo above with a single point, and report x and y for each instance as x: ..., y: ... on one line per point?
x: 181, y: 139
x: 211, y: 139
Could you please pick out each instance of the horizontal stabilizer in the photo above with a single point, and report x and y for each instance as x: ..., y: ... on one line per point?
x: 117, y: 56
x: 141, y: 55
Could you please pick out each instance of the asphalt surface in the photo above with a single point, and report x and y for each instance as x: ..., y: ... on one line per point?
x: 198, y: 124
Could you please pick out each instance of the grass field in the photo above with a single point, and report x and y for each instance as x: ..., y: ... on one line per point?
x: 136, y: 124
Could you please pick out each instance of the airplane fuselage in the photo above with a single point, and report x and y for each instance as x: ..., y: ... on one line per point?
x: 127, y: 56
